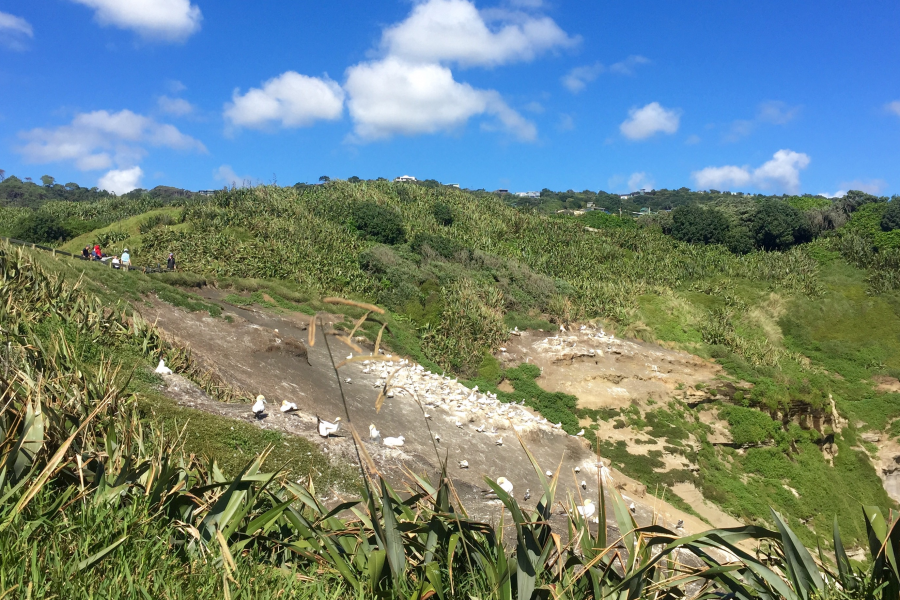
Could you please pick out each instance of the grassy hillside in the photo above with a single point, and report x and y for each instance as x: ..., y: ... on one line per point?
x: 793, y: 329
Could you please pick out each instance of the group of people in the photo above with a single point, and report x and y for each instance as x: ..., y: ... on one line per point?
x: 96, y: 253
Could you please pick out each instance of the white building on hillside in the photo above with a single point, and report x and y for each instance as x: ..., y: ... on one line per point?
x: 406, y: 178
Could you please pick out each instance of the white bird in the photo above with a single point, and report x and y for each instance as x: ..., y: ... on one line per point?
x: 326, y: 428
x: 287, y: 406
x: 578, y: 469
x: 259, y: 407
x: 459, y: 424
x: 588, y: 509
x: 162, y: 369
x: 632, y: 507
x: 679, y: 524
x: 580, y: 433
x: 437, y: 437
x: 463, y: 464
x: 558, y: 425
x: 499, y: 441
x: 374, y: 434
x: 349, y: 357
x: 347, y: 380
x: 527, y: 494
x: 393, y: 442
x: 502, y: 349
x: 583, y: 484
x: 505, y: 484
x: 549, y: 473
x: 480, y: 429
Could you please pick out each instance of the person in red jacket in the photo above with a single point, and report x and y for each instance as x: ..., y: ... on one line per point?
x: 97, y: 253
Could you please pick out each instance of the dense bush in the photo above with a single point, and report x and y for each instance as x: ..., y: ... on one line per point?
x: 601, y: 220
x: 695, y: 224
x: 778, y: 226
x: 749, y: 426
x: 890, y: 220
x: 443, y: 214
x: 40, y: 228
x: 441, y: 245
x: 379, y: 223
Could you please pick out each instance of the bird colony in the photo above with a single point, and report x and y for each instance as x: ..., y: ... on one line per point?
x: 461, y: 406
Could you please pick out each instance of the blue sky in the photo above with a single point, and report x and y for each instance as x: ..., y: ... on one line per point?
x: 520, y: 94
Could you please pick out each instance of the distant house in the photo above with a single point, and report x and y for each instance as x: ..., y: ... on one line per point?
x: 407, y: 178
x: 456, y: 185
x: 206, y: 192
x: 528, y: 194
x: 501, y: 192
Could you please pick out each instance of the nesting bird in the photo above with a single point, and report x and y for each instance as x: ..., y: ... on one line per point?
x: 505, y: 484
x: 463, y: 464
x: 437, y: 437
x: 527, y: 495
x: 326, y: 428
x: 393, y: 442
x: 499, y: 441
x: 632, y: 507
x: 259, y: 407
x: 287, y: 406
x: 679, y: 524
x: 587, y: 509
x: 583, y: 484
x: 548, y: 473
x: 162, y: 369
x: 374, y: 434
x: 580, y: 433
x: 347, y: 380
x: 578, y: 469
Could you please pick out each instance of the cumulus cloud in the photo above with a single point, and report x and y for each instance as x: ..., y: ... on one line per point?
x: 627, y: 66
x: 869, y: 186
x: 165, y: 20
x: 99, y: 139
x: 640, y: 181
x: 649, y: 120
x: 226, y: 175
x: 14, y: 31
x: 782, y: 172
x: 291, y: 100
x: 893, y: 107
x: 392, y: 96
x: 773, y: 112
x: 439, y: 31
x: 578, y: 78
x: 178, y: 107
x: 121, y: 181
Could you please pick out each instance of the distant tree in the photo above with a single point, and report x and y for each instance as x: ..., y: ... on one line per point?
x: 324, y: 178
x: 28, y: 179
x: 40, y: 228
x: 354, y: 179
x: 891, y: 218
x: 777, y: 225
x: 694, y: 224
x: 378, y: 222
x: 47, y: 180
x: 2, y: 174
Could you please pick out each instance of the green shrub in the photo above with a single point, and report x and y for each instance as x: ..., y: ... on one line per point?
x: 890, y: 220
x: 601, y: 220
x: 379, y: 223
x: 443, y: 214
x: 441, y: 245
x: 778, y: 226
x: 40, y: 228
x: 749, y: 426
x: 697, y: 225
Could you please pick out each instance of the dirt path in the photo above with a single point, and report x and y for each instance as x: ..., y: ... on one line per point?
x: 237, y: 351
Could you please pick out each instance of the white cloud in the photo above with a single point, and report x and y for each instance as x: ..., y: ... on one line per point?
x: 291, y: 99
x: 837, y: 194
x: 392, y: 96
x: 692, y: 139
x: 578, y: 78
x: 226, y: 175
x: 175, y: 106
x: 893, y: 107
x: 440, y: 31
x: 99, y: 139
x: 627, y: 66
x: 121, y: 181
x: 167, y: 20
x: 649, y: 120
x: 566, y: 122
x: 773, y: 112
x: 639, y: 181
x: 14, y: 31
x: 869, y: 186
x: 776, y: 112
x: 782, y: 172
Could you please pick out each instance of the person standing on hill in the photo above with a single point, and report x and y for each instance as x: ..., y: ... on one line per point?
x: 170, y: 262
x: 126, y: 259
